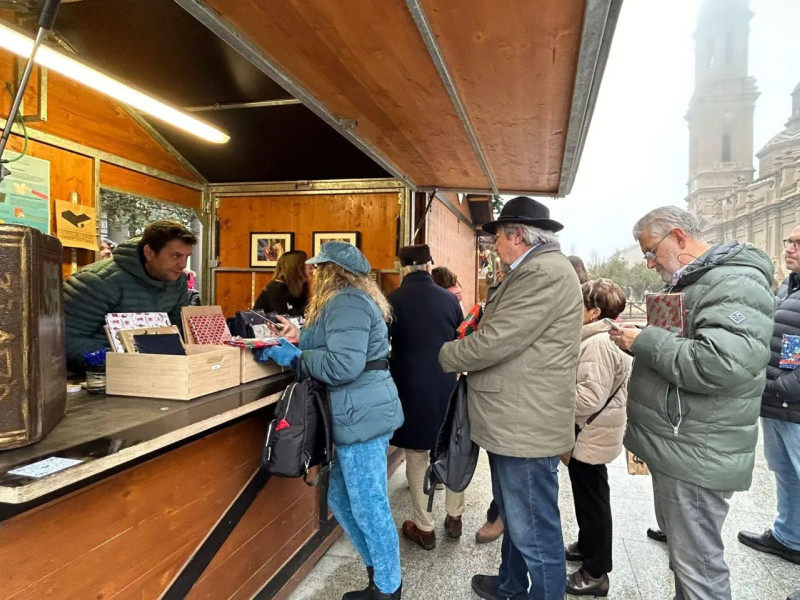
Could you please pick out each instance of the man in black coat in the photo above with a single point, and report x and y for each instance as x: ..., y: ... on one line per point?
x: 780, y: 421
x: 425, y: 317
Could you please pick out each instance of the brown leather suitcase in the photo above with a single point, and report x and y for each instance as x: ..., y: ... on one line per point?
x: 33, y: 373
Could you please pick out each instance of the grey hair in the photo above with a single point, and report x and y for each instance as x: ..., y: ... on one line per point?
x: 413, y: 268
x: 664, y: 219
x: 531, y: 235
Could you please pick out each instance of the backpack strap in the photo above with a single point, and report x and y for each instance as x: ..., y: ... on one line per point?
x: 327, y: 460
x: 593, y: 416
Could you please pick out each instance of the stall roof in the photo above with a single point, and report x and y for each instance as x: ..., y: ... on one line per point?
x: 492, y: 97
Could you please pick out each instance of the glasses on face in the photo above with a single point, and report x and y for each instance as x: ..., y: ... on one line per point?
x: 651, y: 254
x: 794, y: 244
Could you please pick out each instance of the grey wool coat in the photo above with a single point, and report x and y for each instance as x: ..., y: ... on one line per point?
x: 522, y: 360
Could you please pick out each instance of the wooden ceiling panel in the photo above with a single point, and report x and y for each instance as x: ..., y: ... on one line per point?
x: 514, y: 64
x: 366, y: 61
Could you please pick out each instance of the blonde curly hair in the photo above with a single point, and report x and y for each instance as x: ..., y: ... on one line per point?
x: 329, y: 279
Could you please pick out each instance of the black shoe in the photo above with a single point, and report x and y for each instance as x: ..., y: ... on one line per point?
x: 486, y: 587
x: 366, y: 593
x: 795, y: 595
x: 656, y: 534
x: 378, y: 595
x: 580, y: 583
x: 573, y: 553
x: 766, y: 542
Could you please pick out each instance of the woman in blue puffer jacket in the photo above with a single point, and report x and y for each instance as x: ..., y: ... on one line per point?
x: 345, y: 344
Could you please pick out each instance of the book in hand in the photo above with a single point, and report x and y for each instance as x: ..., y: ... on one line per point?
x: 666, y: 311
x: 790, y: 352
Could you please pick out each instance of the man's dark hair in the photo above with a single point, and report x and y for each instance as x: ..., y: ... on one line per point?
x: 160, y: 233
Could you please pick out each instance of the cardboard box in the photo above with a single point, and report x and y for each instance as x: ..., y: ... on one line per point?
x: 250, y: 369
x: 204, y: 369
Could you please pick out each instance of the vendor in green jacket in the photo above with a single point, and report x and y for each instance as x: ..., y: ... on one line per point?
x: 143, y: 275
x: 695, y: 395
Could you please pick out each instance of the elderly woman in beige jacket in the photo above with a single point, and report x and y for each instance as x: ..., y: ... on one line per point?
x: 602, y: 381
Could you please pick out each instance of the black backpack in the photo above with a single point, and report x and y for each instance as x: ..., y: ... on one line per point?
x: 299, y: 437
x: 455, y: 455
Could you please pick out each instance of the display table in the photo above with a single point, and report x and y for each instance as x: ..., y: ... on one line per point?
x: 105, y: 432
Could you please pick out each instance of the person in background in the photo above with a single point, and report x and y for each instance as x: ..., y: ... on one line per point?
x: 425, y: 317
x: 194, y: 293
x: 345, y: 344
x: 444, y: 277
x: 694, y: 394
x: 522, y: 363
x: 106, y: 248
x: 580, y: 269
x: 603, y: 371
x: 287, y: 293
x: 780, y: 421
x: 143, y: 275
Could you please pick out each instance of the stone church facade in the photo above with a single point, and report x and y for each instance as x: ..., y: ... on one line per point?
x: 723, y: 189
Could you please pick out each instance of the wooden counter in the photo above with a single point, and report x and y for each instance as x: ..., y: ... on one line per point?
x: 155, y: 478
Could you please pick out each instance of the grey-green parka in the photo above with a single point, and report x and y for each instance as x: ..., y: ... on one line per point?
x: 694, y: 401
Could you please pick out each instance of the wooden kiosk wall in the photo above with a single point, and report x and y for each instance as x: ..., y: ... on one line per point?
x: 375, y: 213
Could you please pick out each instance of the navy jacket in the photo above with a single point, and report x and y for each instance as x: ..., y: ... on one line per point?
x: 425, y: 317
x: 349, y: 333
x: 781, y: 399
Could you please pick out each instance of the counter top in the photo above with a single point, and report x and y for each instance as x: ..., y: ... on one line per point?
x: 100, y: 433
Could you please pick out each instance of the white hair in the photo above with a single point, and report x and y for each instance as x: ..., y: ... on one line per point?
x: 414, y: 268
x: 666, y: 218
x: 530, y: 235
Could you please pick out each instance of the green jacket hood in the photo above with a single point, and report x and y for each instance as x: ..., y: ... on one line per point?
x: 732, y: 254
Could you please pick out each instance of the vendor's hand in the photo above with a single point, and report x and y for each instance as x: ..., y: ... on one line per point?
x: 625, y: 336
x: 285, y: 328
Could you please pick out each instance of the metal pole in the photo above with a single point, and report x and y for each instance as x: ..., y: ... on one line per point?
x: 26, y: 75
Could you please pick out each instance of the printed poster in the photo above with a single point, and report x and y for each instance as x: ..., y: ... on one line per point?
x: 25, y: 193
x: 76, y: 225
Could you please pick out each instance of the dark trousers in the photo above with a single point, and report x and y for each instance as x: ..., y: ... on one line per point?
x: 593, y: 512
x: 493, y: 512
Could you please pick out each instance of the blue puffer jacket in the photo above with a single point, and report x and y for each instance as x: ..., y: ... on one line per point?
x: 349, y: 332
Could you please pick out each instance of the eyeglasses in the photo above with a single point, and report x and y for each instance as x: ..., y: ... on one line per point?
x: 651, y: 254
x: 795, y: 243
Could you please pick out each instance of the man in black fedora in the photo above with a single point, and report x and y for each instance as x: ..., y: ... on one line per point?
x: 425, y: 317
x: 521, y: 363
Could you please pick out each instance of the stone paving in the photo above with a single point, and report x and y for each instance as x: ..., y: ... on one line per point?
x: 640, y: 564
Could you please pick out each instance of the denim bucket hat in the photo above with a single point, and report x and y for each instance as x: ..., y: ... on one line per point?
x: 343, y: 254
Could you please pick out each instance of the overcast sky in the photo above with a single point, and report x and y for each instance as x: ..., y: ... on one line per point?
x: 636, y: 153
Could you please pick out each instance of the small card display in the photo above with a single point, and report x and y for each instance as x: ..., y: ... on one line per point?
x: 790, y: 352
x: 45, y: 467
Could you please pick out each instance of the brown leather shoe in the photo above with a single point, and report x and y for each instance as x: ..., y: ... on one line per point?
x: 490, y: 531
x: 424, y: 539
x: 580, y: 583
x: 453, y: 526
x: 573, y: 553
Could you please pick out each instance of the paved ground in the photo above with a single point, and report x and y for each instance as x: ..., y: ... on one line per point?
x: 640, y: 564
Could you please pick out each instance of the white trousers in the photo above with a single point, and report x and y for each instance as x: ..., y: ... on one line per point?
x: 417, y: 462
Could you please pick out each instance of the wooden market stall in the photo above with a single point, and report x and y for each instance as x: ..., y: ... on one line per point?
x: 373, y: 119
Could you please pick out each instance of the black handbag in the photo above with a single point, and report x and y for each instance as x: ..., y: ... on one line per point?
x: 455, y: 455
x: 244, y: 320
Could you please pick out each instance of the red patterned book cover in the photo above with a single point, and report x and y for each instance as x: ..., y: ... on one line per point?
x: 666, y: 311
x: 209, y: 329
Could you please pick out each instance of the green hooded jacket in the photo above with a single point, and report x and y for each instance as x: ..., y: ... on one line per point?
x: 117, y: 284
x: 694, y: 401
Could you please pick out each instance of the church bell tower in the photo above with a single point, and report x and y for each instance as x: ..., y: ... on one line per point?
x: 721, y: 110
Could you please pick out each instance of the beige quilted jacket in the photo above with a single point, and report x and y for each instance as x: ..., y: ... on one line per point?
x: 602, y: 367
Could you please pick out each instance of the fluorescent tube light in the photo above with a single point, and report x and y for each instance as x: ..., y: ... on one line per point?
x: 69, y: 67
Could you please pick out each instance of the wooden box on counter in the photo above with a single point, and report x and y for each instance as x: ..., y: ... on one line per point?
x: 204, y: 369
x: 33, y: 371
x: 250, y: 369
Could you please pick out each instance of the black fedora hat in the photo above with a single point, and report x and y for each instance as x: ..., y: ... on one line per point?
x: 525, y: 211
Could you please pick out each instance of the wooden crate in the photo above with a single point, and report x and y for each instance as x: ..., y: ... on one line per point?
x: 205, y: 369
x: 250, y: 369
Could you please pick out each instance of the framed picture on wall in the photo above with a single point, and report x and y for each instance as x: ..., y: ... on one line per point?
x: 322, y: 237
x: 267, y: 248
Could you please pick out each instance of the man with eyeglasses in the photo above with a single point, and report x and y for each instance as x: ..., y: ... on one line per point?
x: 694, y: 396
x: 780, y: 421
